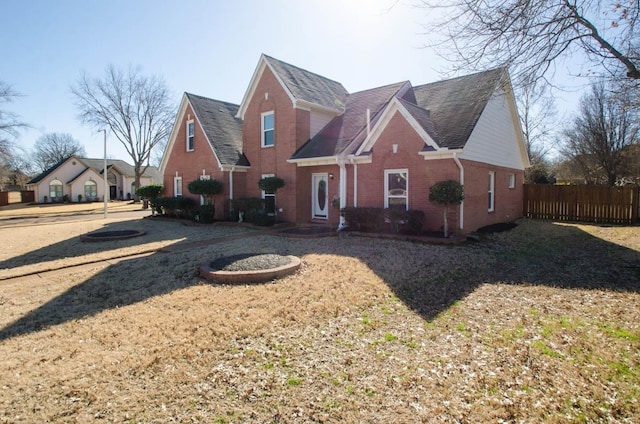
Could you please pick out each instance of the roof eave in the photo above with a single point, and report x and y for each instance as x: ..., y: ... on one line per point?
x: 305, y: 105
x: 315, y: 161
x: 442, y: 153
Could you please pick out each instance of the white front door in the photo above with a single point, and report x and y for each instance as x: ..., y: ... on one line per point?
x: 320, y: 196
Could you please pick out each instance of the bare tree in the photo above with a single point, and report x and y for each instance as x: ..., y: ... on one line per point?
x: 600, y: 134
x: 135, y: 108
x: 9, y: 122
x: 538, y: 116
x: 530, y: 36
x: 52, y: 148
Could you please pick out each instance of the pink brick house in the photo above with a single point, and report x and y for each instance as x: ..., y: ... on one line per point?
x: 379, y: 147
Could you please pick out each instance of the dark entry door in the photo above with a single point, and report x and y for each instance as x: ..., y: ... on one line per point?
x: 113, y: 192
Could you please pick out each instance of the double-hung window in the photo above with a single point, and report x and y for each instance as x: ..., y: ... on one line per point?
x: 491, y: 192
x: 268, y: 129
x: 396, y: 189
x: 190, y: 136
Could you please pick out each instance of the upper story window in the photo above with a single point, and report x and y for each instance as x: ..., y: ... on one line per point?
x: 268, y: 129
x: 190, y: 136
x: 512, y: 180
x: 396, y: 185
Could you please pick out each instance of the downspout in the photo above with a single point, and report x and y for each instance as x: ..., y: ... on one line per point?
x: 459, y: 164
x: 343, y: 190
x: 355, y: 183
x: 233, y: 168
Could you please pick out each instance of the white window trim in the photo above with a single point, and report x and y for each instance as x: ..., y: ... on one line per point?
x: 492, y: 191
x: 512, y: 181
x: 177, y: 186
x: 262, y: 129
x: 189, y: 122
x: 386, y: 186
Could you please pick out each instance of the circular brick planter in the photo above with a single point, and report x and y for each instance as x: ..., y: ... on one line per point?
x: 111, y: 235
x: 252, y: 276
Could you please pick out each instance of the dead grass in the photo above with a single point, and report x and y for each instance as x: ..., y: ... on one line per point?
x: 541, y: 323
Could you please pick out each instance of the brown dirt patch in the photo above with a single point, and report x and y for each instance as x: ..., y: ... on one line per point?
x: 540, y: 323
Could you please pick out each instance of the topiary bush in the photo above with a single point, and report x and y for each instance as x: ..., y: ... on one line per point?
x: 150, y: 191
x: 448, y: 192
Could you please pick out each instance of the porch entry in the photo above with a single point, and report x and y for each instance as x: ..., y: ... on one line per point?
x: 320, y: 195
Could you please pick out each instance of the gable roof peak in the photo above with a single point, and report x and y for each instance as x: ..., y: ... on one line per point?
x: 304, y: 88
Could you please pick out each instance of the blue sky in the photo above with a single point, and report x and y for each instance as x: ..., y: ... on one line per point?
x: 209, y: 48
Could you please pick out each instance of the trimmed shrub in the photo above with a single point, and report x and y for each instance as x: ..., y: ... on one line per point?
x: 206, y: 188
x: 253, y: 211
x: 180, y: 207
x: 375, y: 220
x: 364, y: 219
x: 150, y: 191
x: 205, y: 214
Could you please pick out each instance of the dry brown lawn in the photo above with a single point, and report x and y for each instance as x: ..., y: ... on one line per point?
x: 541, y: 323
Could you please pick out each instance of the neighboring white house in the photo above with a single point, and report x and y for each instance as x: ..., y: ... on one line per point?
x: 74, y: 177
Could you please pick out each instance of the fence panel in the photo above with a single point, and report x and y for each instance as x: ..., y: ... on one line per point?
x: 604, y: 205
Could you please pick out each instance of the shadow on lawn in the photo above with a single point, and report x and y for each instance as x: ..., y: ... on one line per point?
x: 436, y: 277
x: 73, y: 246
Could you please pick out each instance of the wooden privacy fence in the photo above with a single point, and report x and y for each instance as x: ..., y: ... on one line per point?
x: 604, y: 205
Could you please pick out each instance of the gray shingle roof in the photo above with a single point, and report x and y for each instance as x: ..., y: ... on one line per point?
x: 422, y: 117
x: 310, y: 87
x: 97, y: 165
x: 455, y: 105
x: 343, y: 130
x: 40, y: 177
x: 223, y: 129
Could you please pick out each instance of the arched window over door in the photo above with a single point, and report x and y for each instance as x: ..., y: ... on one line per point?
x: 112, y: 179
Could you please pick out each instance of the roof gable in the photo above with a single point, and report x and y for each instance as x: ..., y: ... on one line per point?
x: 221, y: 127
x: 456, y: 104
x: 218, y: 122
x: 417, y: 118
x: 350, y: 128
x: 97, y: 165
x: 46, y: 172
x: 305, y: 89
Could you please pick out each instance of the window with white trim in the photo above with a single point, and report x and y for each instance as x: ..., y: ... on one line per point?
x: 269, y: 198
x: 512, y: 180
x: 90, y: 190
x: 396, y: 189
x: 268, y: 129
x: 191, y: 131
x: 177, y: 186
x: 491, y: 192
x: 55, y: 190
